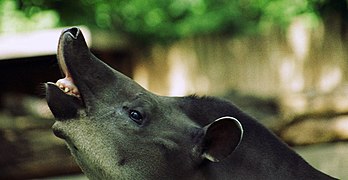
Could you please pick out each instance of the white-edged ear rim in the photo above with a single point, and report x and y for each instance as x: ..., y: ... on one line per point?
x: 236, y: 121
x: 216, y: 155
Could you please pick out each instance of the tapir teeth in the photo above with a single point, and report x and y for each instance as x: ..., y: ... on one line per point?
x: 66, y: 89
x: 73, y: 91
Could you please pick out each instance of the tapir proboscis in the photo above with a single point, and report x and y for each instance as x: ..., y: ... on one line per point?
x: 116, y: 129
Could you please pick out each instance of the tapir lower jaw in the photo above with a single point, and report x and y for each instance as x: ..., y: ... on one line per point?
x: 62, y: 105
x: 78, y: 139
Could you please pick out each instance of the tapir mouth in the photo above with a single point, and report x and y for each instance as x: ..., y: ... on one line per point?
x: 63, y: 97
x: 67, y: 84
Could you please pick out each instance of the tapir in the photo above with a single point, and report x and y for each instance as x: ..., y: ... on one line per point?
x: 115, y: 129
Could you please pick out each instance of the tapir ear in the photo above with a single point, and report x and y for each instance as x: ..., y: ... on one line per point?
x: 221, y: 138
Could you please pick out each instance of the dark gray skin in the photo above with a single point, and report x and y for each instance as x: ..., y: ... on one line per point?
x: 119, y: 130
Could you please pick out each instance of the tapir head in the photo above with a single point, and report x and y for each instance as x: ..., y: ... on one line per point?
x: 116, y: 129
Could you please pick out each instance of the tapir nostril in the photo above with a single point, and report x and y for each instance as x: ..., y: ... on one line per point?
x: 74, y: 32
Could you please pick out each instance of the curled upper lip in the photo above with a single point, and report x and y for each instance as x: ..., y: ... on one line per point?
x: 72, y: 32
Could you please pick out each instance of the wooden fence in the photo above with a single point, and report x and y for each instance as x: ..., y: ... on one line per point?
x: 273, y: 64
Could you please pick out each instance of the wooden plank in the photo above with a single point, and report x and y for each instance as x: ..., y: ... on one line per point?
x: 29, y: 149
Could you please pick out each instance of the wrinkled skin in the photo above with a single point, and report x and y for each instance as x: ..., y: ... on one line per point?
x: 115, y: 129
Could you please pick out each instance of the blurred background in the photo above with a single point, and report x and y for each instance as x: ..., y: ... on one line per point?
x: 284, y: 62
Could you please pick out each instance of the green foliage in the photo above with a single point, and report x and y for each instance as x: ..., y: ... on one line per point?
x: 160, y: 20
x: 30, y: 18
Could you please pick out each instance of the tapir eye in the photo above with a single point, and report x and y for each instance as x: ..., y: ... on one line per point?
x: 136, y: 116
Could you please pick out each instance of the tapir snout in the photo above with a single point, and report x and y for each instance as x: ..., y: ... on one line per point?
x: 116, y: 129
